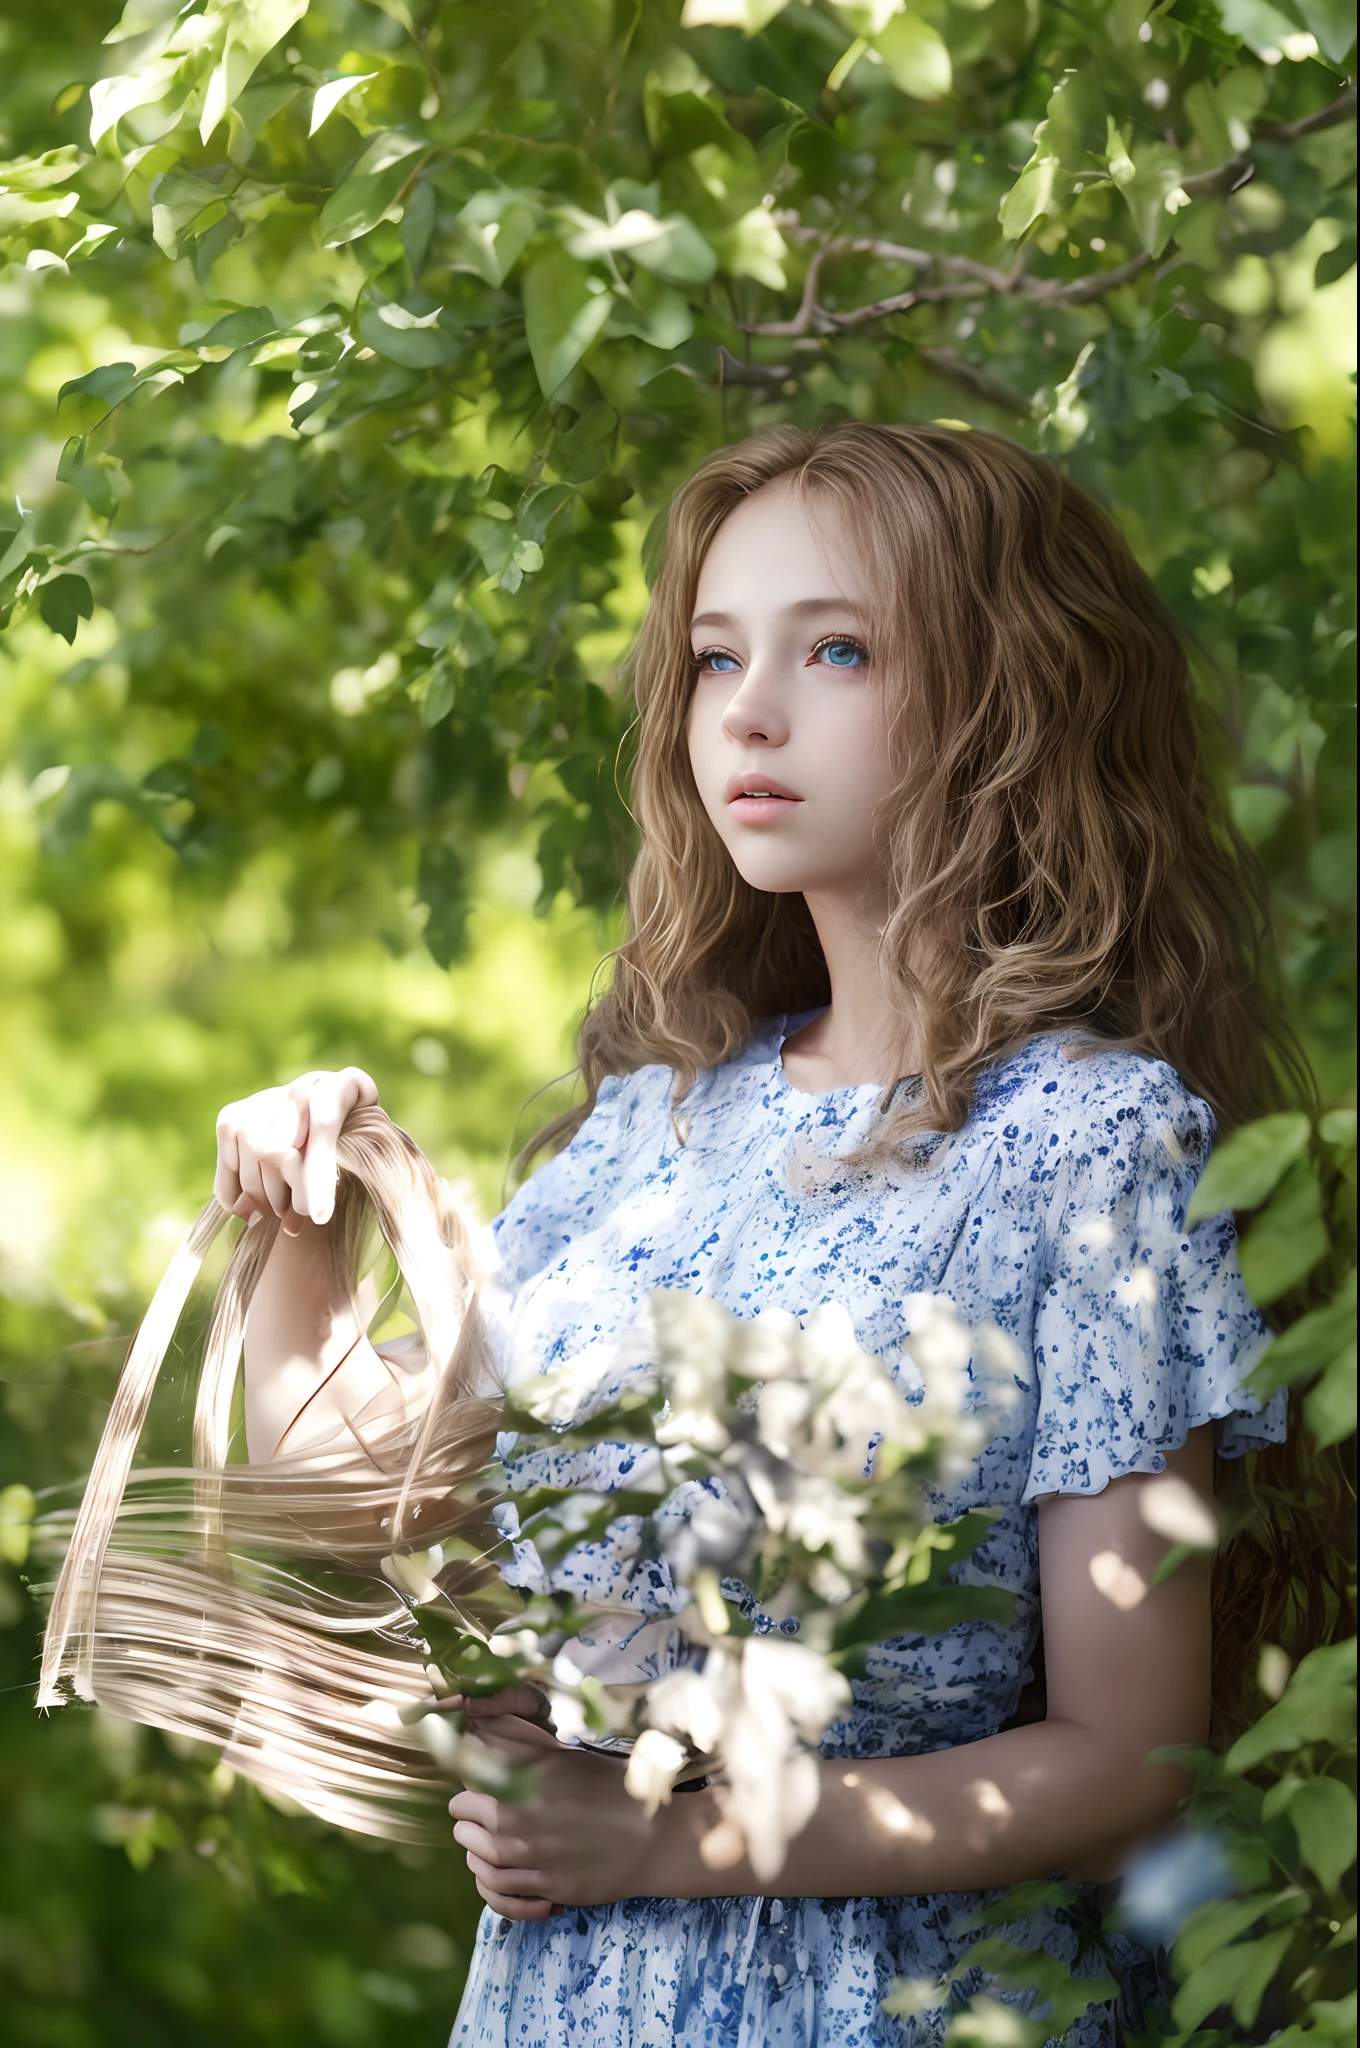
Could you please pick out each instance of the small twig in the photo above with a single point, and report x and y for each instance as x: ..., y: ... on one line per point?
x: 1229, y: 176
x: 783, y: 377
x: 1083, y: 289
x: 974, y: 278
x: 113, y: 547
x: 1341, y: 109
x: 523, y: 141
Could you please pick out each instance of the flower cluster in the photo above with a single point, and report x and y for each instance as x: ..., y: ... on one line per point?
x: 779, y: 1492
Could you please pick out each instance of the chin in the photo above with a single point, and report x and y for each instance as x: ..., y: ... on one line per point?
x: 774, y: 877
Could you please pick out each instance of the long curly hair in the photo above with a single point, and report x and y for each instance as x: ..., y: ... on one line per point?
x: 1057, y: 827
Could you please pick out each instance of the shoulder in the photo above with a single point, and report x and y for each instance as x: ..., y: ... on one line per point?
x: 1096, y: 1117
x: 1101, y: 1093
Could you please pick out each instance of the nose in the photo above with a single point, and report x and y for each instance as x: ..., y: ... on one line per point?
x: 754, y: 712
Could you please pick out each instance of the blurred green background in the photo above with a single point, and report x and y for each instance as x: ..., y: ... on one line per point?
x: 342, y: 379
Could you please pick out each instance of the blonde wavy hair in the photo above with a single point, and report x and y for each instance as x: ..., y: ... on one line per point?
x: 1057, y: 829
x: 1054, y: 828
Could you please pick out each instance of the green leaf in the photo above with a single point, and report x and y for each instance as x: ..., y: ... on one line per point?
x: 64, y: 602
x: 1332, y: 22
x: 103, y: 388
x: 565, y: 309
x: 1060, y: 1996
x: 1335, y: 263
x: 492, y: 232
x: 1076, y: 124
x: 1329, y: 1408
x: 17, y: 1509
x: 248, y: 325
x: 1323, y: 1814
x: 1338, y: 1128
x: 360, y: 203
x: 1153, y: 193
x: 1248, y: 1164
x: 442, y: 885
x: 1259, y: 25
x: 1234, y: 1976
x: 178, y: 200
x: 1287, y: 1239
x: 916, y: 56
x: 1210, y: 1928
x: 913, y: 1611
x: 416, y: 341
x: 1318, y: 1706
x: 1311, y: 1344
x: 660, y: 316
x: 677, y: 252
x: 465, y: 1661
x: 680, y: 122
x: 1038, y: 190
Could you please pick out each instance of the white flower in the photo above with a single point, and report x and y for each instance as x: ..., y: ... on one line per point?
x: 656, y: 1762
x: 691, y: 1703
x: 560, y: 1395
x: 692, y: 1339
x: 809, y: 1693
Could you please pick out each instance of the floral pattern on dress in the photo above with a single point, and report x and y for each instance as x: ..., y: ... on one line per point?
x: 1058, y: 1212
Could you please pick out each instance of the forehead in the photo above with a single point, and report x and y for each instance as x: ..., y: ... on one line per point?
x: 779, y: 546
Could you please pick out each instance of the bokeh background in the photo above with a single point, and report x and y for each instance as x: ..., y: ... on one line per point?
x: 348, y: 354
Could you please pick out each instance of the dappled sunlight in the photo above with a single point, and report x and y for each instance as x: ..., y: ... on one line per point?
x: 1119, y: 1583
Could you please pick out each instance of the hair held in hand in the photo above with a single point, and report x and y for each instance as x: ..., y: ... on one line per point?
x: 244, y: 1605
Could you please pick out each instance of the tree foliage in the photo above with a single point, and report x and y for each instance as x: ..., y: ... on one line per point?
x: 348, y: 354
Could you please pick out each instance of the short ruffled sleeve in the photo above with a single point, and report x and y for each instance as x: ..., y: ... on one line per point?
x: 1144, y: 1330
x: 570, y: 1194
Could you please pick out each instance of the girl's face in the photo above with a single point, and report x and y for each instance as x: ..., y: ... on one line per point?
x: 787, y: 735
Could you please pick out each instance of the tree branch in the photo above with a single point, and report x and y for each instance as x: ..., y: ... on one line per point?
x: 944, y: 362
x: 975, y: 279
x: 1341, y: 109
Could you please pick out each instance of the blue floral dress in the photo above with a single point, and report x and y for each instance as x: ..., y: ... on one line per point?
x: 1059, y: 1213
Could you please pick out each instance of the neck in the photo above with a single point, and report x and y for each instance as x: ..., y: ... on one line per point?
x: 863, y: 1035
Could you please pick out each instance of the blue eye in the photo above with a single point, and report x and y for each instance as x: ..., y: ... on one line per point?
x: 719, y: 663
x: 839, y: 652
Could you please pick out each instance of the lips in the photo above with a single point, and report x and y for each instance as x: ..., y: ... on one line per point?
x: 754, y: 787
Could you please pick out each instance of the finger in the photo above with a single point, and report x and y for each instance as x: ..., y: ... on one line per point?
x: 226, y: 1181
x: 329, y: 1102
x: 277, y: 1190
x: 501, y: 1852
x: 476, y: 1806
x: 511, y: 1883
x: 516, y: 1909
x: 252, y: 1185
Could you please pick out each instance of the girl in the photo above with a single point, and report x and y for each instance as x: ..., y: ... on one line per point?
x: 940, y: 973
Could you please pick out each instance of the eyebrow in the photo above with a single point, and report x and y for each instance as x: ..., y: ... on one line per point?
x: 800, y: 608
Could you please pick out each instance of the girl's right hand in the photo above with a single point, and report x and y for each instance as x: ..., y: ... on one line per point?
x: 276, y: 1150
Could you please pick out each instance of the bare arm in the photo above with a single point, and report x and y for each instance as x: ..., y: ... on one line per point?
x: 309, y: 1367
x: 1126, y: 1676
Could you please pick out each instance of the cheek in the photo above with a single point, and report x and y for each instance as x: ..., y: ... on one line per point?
x: 853, y: 743
x: 704, y: 739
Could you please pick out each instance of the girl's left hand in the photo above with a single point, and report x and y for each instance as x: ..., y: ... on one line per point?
x: 579, y: 1840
